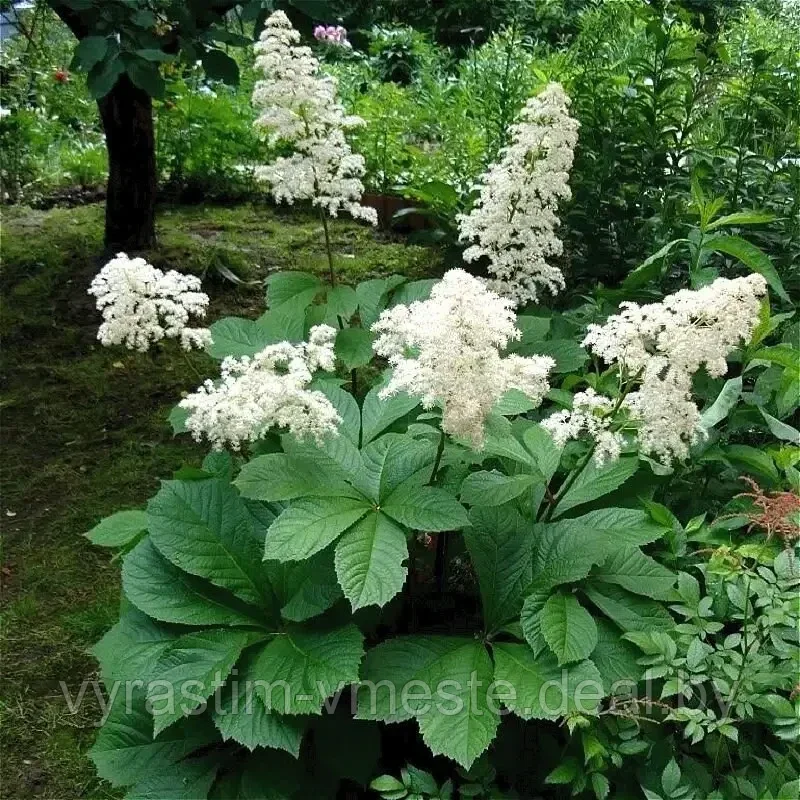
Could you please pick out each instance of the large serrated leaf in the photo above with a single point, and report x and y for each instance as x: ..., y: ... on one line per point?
x: 310, y: 525
x: 202, y: 661
x: 119, y: 529
x: 615, y: 527
x: 425, y: 508
x: 203, y: 527
x: 596, y: 481
x: 568, y: 628
x: 391, y: 460
x: 379, y: 414
x: 628, y: 611
x: 615, y: 659
x: 630, y: 568
x: 493, y: 488
x: 540, y: 683
x: 166, y: 593
x: 299, y: 669
x: 370, y: 561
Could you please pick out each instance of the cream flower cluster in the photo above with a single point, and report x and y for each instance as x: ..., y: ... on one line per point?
x: 141, y: 305
x: 446, y: 350
x: 659, y: 347
x: 269, y: 389
x: 514, y: 219
x: 591, y: 414
x: 300, y: 106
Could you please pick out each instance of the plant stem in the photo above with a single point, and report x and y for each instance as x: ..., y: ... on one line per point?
x: 438, y: 461
x: 441, y: 541
x: 331, y: 267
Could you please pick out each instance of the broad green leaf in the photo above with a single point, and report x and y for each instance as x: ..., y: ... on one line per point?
x: 305, y: 588
x: 533, y: 329
x: 370, y: 561
x: 615, y: 527
x: 131, y: 649
x: 242, y: 716
x: 595, y: 482
x: 299, y: 669
x: 512, y: 403
x: 628, y: 611
x: 146, y: 75
x: 219, y: 66
x: 568, y: 354
x: 203, y: 527
x: 166, y: 593
x: 354, y: 347
x: 615, y: 659
x: 568, y: 628
x: 494, y: 488
x: 542, y: 688
x: 377, y: 415
x: 650, y: 268
x: 390, y: 461
x: 411, y: 292
x: 751, y: 256
x: 564, y: 554
x: 119, y: 529
x: 103, y: 76
x: 783, y: 354
x: 546, y: 455
x: 277, y: 476
x: 373, y: 296
x: 125, y: 748
x: 499, y: 545
x: 186, y: 780
x: 285, y: 286
x: 177, y: 420
x: 91, y: 50
x: 630, y: 568
x: 425, y: 508
x: 457, y: 722
x: 346, y: 405
x: 780, y: 430
x: 310, y: 525
x: 500, y: 441
x: 341, y: 303
x: 235, y: 336
x: 752, y: 460
x: 202, y: 661
x: 721, y: 407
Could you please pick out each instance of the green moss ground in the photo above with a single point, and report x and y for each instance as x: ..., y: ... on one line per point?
x: 84, y: 434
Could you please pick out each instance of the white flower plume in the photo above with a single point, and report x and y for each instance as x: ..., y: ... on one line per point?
x: 514, y: 219
x: 300, y: 106
x: 446, y: 350
x: 659, y: 347
x: 141, y: 305
x: 268, y: 390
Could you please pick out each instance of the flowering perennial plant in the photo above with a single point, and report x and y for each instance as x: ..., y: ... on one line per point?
x: 659, y: 347
x: 141, y: 305
x: 514, y: 219
x: 446, y: 350
x: 269, y: 389
x: 332, y: 34
x: 300, y: 106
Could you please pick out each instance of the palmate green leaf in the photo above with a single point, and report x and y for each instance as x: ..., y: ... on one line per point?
x: 277, y: 477
x: 595, y: 482
x: 346, y: 405
x: 373, y: 295
x: 455, y: 720
x: 299, y: 669
x: 166, y: 593
x: 425, y: 508
x: 546, y: 454
x: 119, y: 529
x: 564, y: 554
x: 203, y: 527
x: 615, y: 659
x: 627, y: 610
x: 542, y: 688
x: 370, y: 561
x: 379, y: 414
x: 131, y: 649
x: 125, y: 749
x: 391, y: 460
x: 307, y: 588
x: 630, y: 568
x: 310, y: 525
x: 499, y: 545
x: 236, y: 336
x: 567, y: 353
x: 243, y: 717
x: 285, y: 286
x: 568, y: 628
x: 493, y: 488
x: 201, y: 661
x: 186, y: 780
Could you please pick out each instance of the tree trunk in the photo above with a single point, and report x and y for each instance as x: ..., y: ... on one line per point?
x: 127, y: 115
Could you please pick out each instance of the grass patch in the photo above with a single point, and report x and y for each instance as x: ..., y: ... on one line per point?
x: 85, y: 434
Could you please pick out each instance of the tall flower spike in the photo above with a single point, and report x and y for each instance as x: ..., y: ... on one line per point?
x: 514, y: 219
x: 446, y: 351
x: 300, y: 106
x: 268, y: 390
x: 141, y: 305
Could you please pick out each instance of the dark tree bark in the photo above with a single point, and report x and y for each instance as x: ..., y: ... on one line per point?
x: 127, y: 116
